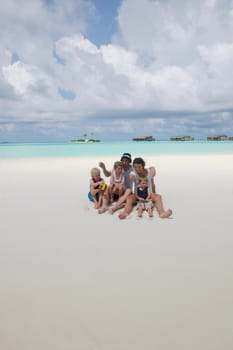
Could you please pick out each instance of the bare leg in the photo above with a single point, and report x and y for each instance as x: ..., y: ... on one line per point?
x: 100, y: 201
x: 128, y: 207
x: 157, y: 199
x: 140, y: 211
x: 150, y: 212
x: 105, y: 205
x: 121, y: 191
x: 111, y: 190
x: 96, y: 203
x: 120, y: 201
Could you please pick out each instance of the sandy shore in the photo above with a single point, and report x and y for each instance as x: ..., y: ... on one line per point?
x: 74, y: 279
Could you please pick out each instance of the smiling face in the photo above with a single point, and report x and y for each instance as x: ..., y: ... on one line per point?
x: 125, y: 163
x: 139, y: 166
x: 139, y: 169
x: 95, y: 174
x: 118, y: 170
x: 96, y: 177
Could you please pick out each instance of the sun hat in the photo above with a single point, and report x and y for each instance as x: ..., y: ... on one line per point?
x: 126, y: 156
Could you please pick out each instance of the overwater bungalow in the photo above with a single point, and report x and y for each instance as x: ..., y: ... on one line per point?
x: 144, y: 138
x: 182, y: 138
x: 218, y: 138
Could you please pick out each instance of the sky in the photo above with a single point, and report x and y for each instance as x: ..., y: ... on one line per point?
x: 115, y: 69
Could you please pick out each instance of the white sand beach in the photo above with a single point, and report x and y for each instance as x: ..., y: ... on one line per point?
x: 73, y: 279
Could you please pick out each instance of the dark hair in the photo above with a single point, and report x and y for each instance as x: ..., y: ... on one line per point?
x: 139, y: 161
x: 126, y: 156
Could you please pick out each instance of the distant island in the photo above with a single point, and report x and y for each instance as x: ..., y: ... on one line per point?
x: 86, y: 140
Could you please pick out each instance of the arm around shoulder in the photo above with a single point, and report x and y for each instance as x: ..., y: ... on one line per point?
x: 152, y: 175
x: 152, y: 171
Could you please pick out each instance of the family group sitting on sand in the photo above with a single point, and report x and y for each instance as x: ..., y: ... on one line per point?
x: 129, y: 184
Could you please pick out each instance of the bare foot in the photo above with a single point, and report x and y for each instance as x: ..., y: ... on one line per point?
x: 150, y: 212
x: 116, y: 207
x: 166, y: 214
x: 102, y: 210
x: 112, y: 210
x: 122, y: 215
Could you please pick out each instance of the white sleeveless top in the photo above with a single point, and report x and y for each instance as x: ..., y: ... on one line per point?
x: 117, y: 181
x: 126, y: 173
x: 136, y: 182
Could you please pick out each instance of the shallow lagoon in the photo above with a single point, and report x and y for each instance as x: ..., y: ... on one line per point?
x: 71, y: 149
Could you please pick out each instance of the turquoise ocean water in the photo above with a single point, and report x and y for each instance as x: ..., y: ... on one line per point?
x: 69, y: 149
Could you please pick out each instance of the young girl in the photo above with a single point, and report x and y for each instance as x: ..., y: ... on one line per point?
x: 97, y: 188
x: 117, y: 181
x: 143, y: 195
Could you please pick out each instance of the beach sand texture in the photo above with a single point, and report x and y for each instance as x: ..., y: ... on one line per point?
x: 74, y: 279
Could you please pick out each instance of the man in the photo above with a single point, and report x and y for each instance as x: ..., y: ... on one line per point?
x: 127, y: 169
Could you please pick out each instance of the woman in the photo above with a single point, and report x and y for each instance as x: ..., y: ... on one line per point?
x: 141, y: 171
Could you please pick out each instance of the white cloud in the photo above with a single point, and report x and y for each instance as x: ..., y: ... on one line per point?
x: 167, y: 56
x: 122, y: 60
x: 21, y: 76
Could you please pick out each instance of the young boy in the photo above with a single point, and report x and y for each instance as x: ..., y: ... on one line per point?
x: 117, y: 181
x: 143, y: 196
x: 97, y: 188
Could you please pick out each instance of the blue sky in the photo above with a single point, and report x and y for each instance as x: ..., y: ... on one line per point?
x: 115, y: 69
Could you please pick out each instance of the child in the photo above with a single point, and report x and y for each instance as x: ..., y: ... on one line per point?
x: 143, y: 195
x: 117, y: 181
x: 97, y: 188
